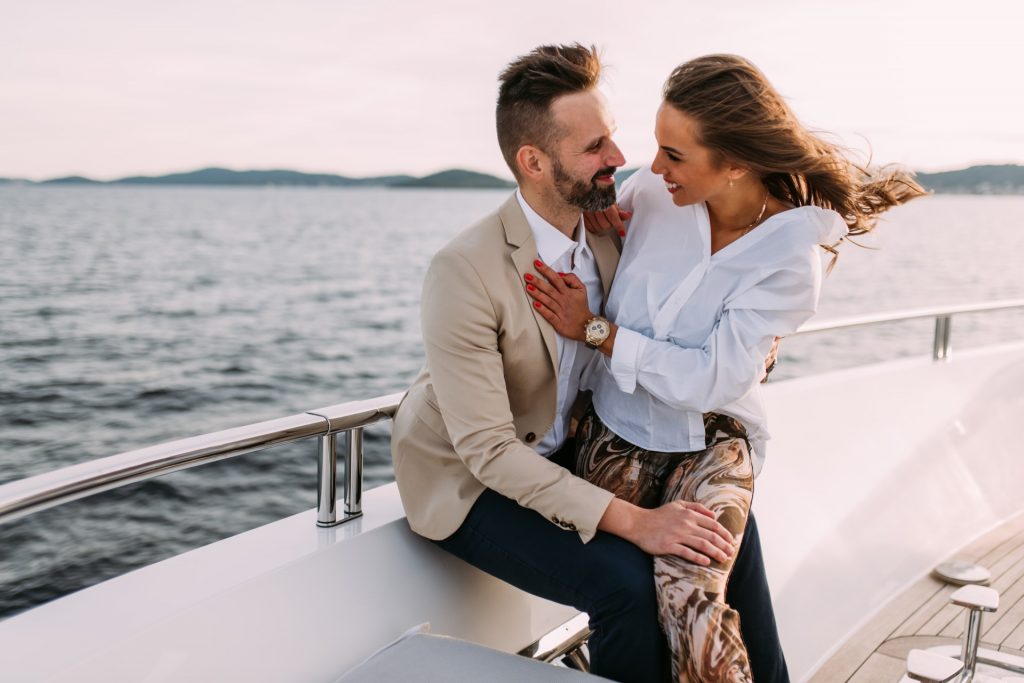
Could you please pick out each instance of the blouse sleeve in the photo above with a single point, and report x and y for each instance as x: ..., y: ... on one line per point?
x: 730, y: 362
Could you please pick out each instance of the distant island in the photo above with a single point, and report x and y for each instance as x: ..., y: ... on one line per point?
x: 1005, y: 179
x: 985, y: 180
x: 453, y: 178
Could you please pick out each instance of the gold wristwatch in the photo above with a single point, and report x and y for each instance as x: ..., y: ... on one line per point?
x: 595, y: 331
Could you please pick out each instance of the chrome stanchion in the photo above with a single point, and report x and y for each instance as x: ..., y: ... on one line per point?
x: 942, y: 346
x: 326, y: 477
x: 354, y: 474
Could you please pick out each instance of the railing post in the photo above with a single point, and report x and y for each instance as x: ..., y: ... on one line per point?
x: 327, y: 478
x: 969, y: 651
x: 941, y: 347
x: 354, y: 473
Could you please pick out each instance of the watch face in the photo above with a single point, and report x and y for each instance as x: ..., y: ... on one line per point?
x: 597, y: 330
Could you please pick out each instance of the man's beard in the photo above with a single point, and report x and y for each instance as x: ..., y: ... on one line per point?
x: 586, y: 196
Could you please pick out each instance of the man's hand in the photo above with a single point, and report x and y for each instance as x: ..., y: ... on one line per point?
x: 612, y: 218
x: 681, y: 528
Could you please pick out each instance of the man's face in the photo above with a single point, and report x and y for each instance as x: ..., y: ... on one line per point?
x: 584, y: 159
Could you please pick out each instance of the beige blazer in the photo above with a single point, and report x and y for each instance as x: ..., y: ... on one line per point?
x: 487, y: 391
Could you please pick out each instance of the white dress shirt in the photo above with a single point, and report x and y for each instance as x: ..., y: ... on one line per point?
x: 695, y: 327
x: 565, y: 256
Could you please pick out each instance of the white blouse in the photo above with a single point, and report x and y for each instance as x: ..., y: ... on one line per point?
x: 695, y: 327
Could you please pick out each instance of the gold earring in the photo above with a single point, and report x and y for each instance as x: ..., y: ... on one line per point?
x: 730, y: 182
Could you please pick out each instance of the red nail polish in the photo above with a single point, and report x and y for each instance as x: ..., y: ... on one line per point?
x: 538, y: 263
x: 622, y: 233
x: 531, y: 287
x: 529, y: 277
x: 561, y: 274
x: 536, y: 304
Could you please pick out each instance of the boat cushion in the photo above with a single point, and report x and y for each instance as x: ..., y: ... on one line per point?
x: 428, y: 658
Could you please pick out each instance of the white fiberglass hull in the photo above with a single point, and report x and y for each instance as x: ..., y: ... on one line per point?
x: 876, y: 474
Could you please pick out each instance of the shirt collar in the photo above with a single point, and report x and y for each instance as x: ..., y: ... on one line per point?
x: 552, y: 244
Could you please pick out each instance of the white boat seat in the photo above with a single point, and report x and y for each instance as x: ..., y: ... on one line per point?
x: 427, y: 658
x: 976, y: 597
x: 929, y: 667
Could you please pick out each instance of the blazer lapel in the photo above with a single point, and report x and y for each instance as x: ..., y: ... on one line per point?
x: 606, y: 253
x: 519, y: 235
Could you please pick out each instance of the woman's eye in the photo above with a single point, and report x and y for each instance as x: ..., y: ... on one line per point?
x: 673, y: 157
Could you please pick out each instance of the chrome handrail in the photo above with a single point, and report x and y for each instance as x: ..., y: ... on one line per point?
x: 20, y: 498
x: 942, y: 343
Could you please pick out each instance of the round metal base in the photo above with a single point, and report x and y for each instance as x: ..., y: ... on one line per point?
x: 962, y: 573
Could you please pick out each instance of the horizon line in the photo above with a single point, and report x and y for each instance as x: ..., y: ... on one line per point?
x: 508, y: 178
x: 41, y: 179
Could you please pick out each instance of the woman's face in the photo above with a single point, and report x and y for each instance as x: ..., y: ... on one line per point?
x: 688, y: 167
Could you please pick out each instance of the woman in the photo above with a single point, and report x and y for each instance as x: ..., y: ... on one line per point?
x: 722, y: 257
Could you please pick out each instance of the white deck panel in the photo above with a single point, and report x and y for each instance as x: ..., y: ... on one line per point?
x: 285, y: 602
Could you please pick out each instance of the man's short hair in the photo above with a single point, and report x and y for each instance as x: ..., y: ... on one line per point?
x: 530, y: 84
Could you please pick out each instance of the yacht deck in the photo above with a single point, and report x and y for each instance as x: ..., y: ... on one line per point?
x: 921, y: 616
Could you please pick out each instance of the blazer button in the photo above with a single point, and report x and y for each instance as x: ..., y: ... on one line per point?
x: 530, y: 437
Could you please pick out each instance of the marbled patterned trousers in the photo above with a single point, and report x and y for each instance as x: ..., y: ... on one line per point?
x: 703, y: 631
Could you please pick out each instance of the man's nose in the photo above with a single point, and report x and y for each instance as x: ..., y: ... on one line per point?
x: 616, y: 159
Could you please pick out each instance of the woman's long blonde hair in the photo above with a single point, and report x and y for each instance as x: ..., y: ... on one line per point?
x: 743, y: 120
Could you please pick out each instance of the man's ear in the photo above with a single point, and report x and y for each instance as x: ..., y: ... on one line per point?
x: 532, y: 162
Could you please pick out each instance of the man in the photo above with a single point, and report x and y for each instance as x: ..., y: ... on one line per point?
x: 479, y: 439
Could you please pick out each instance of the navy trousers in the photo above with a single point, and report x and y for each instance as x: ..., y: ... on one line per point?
x: 611, y: 580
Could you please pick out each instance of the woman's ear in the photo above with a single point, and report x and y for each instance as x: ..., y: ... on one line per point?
x: 737, y: 174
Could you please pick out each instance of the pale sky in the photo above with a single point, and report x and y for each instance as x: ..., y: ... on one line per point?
x: 109, y: 88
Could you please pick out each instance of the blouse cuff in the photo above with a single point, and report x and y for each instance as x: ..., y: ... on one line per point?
x: 625, y: 361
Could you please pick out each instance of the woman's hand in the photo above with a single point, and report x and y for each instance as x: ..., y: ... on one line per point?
x: 681, y: 528
x: 771, y: 360
x: 561, y: 298
x: 612, y: 218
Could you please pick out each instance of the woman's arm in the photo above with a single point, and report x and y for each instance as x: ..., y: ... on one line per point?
x: 724, y: 367
x: 729, y: 363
